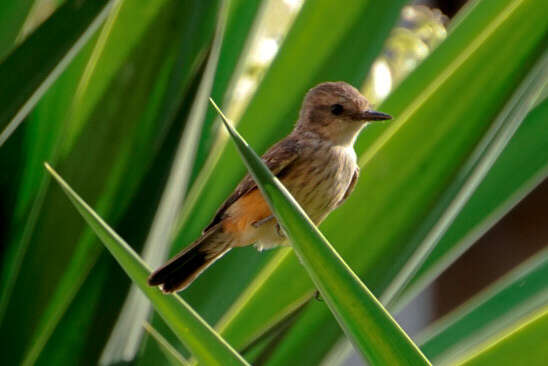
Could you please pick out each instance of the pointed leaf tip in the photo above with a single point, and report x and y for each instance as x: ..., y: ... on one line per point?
x: 51, y: 171
x: 223, y: 117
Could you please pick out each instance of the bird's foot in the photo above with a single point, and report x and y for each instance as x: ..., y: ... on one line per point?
x: 318, y: 296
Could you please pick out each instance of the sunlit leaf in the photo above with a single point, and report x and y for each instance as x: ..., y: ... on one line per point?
x: 12, y: 18
x: 522, y: 345
x: 192, y: 330
x: 125, y: 338
x: 519, y: 169
x: 108, y: 160
x: 171, y: 353
x: 513, y: 297
x: 54, y: 43
x: 473, y: 171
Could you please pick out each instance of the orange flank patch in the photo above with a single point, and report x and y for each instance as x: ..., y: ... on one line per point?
x: 248, y: 209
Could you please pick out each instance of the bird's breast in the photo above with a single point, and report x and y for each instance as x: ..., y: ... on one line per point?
x: 320, y: 177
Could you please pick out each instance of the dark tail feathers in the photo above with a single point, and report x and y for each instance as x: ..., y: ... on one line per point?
x: 181, y: 270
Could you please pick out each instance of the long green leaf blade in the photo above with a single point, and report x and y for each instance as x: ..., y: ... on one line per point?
x: 54, y: 44
x: 520, y: 168
x: 213, y: 297
x: 12, y: 18
x: 120, y: 36
x: 193, y: 331
x: 133, y: 100
x: 241, y: 28
x: 126, y: 336
x: 474, y: 170
x: 523, y: 345
x: 370, y: 327
x: 516, y: 295
x: 41, y: 139
x: 174, y: 357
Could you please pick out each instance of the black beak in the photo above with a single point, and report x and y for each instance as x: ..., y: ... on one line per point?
x: 371, y: 115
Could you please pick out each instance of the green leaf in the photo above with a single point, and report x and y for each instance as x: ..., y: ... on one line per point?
x: 520, y: 168
x: 75, y: 343
x: 120, y: 36
x: 107, y: 162
x: 54, y: 43
x: 125, y: 338
x: 193, y: 331
x: 502, y: 305
x: 317, y: 329
x: 113, y: 132
x: 174, y: 357
x: 528, y: 145
x: 241, y: 27
x: 473, y: 171
x: 369, y: 326
x: 513, y: 297
x: 41, y: 138
x: 12, y: 18
x: 522, y: 345
x: 426, y: 145
x: 530, y: 151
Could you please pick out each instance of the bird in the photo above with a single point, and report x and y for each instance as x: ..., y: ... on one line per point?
x: 317, y: 164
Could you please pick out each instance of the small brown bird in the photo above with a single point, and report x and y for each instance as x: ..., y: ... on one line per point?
x: 316, y: 162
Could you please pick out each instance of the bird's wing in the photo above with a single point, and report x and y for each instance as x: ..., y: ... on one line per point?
x: 351, y: 186
x: 278, y: 159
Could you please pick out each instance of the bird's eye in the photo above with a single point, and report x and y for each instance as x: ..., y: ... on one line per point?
x: 337, y: 109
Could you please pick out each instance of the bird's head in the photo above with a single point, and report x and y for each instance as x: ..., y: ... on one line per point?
x: 336, y: 111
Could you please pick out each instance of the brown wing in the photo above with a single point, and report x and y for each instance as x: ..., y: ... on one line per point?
x: 351, y: 186
x: 278, y: 159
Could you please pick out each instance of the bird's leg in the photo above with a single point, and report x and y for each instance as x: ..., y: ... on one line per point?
x: 318, y: 296
x: 280, y: 231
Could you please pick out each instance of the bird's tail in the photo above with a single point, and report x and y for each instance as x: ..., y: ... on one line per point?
x: 182, y: 269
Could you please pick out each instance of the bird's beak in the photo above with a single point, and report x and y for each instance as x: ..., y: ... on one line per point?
x: 371, y: 115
